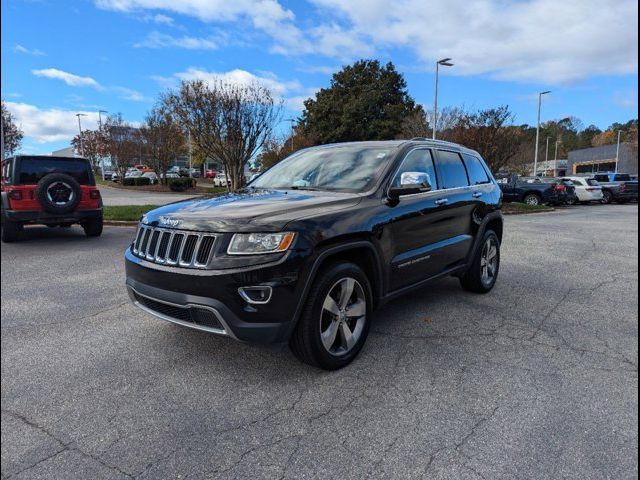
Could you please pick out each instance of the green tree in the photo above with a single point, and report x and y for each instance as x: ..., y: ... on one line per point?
x: 366, y: 101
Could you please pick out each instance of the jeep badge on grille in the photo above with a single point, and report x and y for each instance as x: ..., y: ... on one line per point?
x: 169, y: 222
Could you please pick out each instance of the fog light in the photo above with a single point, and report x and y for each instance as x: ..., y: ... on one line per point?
x: 257, y: 295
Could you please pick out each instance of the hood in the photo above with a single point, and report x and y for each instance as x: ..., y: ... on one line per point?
x: 261, y: 210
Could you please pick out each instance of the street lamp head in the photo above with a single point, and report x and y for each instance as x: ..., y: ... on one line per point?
x: 445, y: 62
x: 544, y: 93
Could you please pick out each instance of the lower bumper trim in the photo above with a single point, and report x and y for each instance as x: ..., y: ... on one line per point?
x: 199, y: 317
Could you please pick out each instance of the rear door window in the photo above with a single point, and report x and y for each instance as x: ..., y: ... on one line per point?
x: 477, y: 173
x: 32, y: 169
x: 454, y: 173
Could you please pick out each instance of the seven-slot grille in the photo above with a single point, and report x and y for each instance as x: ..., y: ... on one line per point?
x: 173, y: 247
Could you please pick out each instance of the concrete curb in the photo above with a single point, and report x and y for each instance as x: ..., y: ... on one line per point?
x: 119, y: 223
x: 530, y: 212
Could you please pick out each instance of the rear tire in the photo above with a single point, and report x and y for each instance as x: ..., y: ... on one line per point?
x: 10, y: 230
x: 320, y: 337
x: 607, y: 197
x: 482, y: 274
x: 93, y: 227
x: 532, y: 199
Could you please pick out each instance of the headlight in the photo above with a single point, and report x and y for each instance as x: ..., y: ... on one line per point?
x: 256, y: 243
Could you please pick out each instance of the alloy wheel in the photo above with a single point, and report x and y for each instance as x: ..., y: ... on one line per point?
x: 343, y: 316
x: 489, y: 261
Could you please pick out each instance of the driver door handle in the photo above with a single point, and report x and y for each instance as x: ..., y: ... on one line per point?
x: 477, y: 194
x: 442, y: 201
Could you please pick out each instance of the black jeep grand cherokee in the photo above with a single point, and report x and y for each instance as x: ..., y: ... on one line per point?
x: 310, y: 248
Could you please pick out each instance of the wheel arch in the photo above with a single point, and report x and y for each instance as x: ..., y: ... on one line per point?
x: 361, y: 252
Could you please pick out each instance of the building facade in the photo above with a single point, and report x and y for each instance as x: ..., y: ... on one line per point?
x: 603, y: 159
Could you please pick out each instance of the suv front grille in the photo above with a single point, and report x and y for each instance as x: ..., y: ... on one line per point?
x: 173, y: 247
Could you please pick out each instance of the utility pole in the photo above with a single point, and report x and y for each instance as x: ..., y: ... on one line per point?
x: 80, y: 130
x: 100, y: 112
x: 535, y: 158
x: 618, y: 150
x: 555, y: 157
x: 445, y: 62
x: 546, y: 155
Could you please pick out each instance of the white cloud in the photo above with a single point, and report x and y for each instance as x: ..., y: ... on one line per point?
x: 49, y: 125
x: 291, y: 92
x: 542, y: 41
x: 130, y: 94
x: 162, y: 19
x: 161, y: 40
x: 241, y: 77
x: 536, y: 40
x: 68, y: 78
x: 22, y: 49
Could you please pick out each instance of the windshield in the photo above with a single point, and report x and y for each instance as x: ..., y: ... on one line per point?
x: 352, y: 168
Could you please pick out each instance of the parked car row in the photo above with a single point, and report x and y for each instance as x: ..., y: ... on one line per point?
x: 148, y: 172
x: 569, y: 190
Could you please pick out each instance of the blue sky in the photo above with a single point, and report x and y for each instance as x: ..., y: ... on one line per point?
x: 64, y: 57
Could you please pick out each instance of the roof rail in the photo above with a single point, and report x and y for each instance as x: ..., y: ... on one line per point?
x: 441, y: 142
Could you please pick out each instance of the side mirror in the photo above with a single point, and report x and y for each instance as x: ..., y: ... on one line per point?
x: 410, y: 183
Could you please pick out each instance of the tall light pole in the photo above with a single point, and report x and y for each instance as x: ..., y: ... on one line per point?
x: 100, y: 112
x: 555, y: 157
x: 80, y: 130
x: 190, y: 151
x: 291, y: 120
x: 546, y: 154
x: 445, y: 62
x: 618, y: 150
x: 535, y: 158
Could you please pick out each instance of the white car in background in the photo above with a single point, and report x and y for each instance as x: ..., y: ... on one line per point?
x: 221, y: 180
x: 587, y: 189
x: 153, y: 178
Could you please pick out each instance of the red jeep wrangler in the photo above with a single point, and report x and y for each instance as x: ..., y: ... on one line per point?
x: 52, y: 191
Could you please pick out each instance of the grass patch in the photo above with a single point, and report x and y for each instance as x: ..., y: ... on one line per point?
x: 517, y: 207
x: 126, y: 212
x: 215, y: 190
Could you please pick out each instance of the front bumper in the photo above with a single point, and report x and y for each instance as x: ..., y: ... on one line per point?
x: 208, y: 300
x: 38, y: 217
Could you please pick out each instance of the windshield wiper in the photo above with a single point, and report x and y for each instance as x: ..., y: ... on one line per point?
x: 312, y: 189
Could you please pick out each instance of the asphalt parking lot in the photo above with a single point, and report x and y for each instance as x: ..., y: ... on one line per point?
x: 537, y: 379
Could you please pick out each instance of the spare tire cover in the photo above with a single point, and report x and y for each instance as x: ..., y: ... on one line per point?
x: 58, y: 193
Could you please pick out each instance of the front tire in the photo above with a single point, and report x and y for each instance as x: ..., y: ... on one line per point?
x: 335, y: 321
x: 483, y: 271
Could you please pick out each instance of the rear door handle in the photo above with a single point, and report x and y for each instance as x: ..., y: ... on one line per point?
x: 442, y: 201
x: 477, y: 194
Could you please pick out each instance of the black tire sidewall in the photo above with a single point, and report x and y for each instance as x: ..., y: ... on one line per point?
x: 472, y: 280
x: 45, y: 183
x: 324, y: 281
x: 532, y: 195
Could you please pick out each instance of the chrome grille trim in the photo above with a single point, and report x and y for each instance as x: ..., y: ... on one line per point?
x: 148, y: 241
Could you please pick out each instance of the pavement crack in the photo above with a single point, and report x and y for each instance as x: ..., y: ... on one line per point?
x: 65, y: 446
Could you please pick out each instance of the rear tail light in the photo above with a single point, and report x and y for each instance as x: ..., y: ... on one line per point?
x: 94, y: 194
x: 623, y: 187
x: 15, y: 194
x: 558, y: 188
